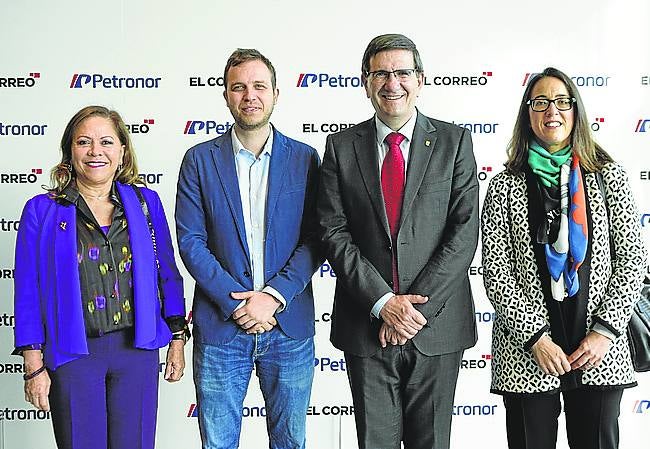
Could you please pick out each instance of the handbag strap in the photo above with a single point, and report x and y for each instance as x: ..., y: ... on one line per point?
x: 145, y: 210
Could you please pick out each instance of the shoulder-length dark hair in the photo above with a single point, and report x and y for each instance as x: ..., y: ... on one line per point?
x: 592, y: 156
x: 63, y: 173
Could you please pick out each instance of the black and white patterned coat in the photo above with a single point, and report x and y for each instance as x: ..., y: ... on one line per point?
x: 513, y: 286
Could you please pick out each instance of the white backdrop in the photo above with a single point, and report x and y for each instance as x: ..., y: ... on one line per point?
x: 48, y: 48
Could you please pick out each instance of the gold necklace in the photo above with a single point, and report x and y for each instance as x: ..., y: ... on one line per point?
x: 94, y: 197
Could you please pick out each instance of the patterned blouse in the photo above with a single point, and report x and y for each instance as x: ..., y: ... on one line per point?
x: 104, y: 257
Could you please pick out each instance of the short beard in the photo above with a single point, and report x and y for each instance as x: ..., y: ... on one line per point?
x: 252, y: 126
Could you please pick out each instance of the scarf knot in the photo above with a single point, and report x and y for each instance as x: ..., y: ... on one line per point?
x: 547, y: 165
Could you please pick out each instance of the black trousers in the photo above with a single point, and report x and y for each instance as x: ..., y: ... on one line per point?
x: 591, y: 419
x: 400, y: 394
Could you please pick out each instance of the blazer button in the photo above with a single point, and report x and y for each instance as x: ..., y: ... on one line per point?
x: 247, y: 274
x: 390, y: 247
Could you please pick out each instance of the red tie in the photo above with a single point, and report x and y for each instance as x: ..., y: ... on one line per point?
x: 392, y: 185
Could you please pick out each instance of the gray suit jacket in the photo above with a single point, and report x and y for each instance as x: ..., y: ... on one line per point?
x: 436, y: 241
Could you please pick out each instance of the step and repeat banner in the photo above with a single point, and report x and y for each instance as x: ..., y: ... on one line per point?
x: 161, y: 67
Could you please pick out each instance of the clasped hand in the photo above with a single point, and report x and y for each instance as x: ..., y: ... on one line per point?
x: 402, y: 321
x: 552, y: 360
x: 257, y: 315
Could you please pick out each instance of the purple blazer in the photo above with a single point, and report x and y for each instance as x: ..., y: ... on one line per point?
x: 47, y: 296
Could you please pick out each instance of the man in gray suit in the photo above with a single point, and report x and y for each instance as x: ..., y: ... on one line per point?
x: 398, y: 207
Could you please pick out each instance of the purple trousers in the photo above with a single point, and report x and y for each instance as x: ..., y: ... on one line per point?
x: 108, y: 399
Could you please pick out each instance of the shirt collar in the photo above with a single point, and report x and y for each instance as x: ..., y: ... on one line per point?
x: 407, y: 130
x: 266, y: 149
x: 72, y: 195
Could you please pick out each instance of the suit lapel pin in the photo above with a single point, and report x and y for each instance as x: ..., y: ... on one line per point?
x: 62, y: 225
x: 427, y: 143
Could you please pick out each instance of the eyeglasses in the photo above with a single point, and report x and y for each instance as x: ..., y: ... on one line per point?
x: 383, y: 75
x: 542, y: 104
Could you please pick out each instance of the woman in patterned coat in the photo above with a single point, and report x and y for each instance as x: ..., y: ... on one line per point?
x: 562, y: 296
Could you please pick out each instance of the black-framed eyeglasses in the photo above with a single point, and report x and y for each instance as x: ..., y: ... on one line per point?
x: 542, y: 104
x: 383, y: 75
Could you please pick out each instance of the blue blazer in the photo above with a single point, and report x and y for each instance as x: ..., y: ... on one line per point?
x: 47, y: 295
x: 212, y: 238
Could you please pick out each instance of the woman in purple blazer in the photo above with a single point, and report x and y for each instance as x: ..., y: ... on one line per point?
x: 97, y: 292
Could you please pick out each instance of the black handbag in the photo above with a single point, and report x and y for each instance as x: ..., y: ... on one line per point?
x: 638, y: 329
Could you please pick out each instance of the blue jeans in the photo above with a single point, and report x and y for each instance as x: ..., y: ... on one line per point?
x: 285, y: 368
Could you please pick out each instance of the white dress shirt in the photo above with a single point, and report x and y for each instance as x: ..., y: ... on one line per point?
x: 253, y: 179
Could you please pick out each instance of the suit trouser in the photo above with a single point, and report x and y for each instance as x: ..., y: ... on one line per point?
x: 108, y: 399
x: 591, y: 419
x: 400, y: 394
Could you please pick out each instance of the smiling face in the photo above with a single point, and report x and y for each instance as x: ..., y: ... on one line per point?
x: 392, y: 98
x: 250, y: 95
x: 96, y: 152
x: 552, y: 128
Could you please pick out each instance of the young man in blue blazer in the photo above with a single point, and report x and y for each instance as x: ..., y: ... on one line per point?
x: 247, y: 233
